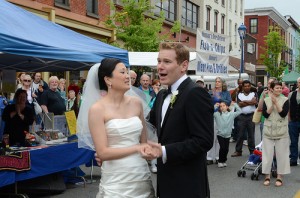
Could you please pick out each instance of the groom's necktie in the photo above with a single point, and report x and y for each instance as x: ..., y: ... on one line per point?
x: 166, y: 103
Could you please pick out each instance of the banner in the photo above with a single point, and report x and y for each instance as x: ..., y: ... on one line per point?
x: 212, y: 53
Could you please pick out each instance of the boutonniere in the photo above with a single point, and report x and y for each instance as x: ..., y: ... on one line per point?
x: 173, y: 98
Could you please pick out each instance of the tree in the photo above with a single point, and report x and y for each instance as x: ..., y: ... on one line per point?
x: 297, y: 66
x: 139, y: 32
x: 275, y: 45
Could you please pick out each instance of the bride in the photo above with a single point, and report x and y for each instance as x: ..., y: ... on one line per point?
x: 115, y: 127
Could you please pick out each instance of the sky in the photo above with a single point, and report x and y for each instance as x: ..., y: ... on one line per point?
x: 284, y: 7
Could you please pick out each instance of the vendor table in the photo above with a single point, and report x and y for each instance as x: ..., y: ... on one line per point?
x: 49, y: 160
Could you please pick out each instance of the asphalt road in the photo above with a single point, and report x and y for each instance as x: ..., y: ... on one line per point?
x: 224, y: 182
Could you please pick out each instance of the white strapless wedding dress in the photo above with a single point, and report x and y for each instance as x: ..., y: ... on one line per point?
x: 128, y: 177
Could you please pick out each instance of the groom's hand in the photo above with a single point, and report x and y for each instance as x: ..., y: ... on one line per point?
x: 156, y: 150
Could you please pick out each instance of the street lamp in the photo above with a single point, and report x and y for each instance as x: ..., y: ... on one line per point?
x: 242, y: 32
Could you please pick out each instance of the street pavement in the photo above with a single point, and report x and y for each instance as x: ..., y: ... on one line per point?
x: 224, y: 182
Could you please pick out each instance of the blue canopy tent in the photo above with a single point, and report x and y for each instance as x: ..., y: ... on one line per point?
x: 31, y: 43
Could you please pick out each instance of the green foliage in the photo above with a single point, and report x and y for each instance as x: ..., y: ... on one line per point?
x: 297, y: 66
x: 275, y: 45
x: 137, y: 32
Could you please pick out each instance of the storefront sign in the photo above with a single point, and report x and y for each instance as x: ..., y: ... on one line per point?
x: 212, y: 53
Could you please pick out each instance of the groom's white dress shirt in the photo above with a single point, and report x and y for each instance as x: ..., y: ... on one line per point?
x: 165, y: 106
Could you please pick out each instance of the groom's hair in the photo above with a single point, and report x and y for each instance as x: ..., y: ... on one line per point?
x: 182, y: 52
x: 106, y: 68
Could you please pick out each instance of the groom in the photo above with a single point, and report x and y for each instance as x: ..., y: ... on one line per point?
x: 184, y: 122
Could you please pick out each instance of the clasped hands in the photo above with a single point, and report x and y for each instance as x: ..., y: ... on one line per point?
x: 150, y: 150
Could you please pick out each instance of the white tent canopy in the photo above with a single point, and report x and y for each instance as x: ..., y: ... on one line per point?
x: 148, y: 58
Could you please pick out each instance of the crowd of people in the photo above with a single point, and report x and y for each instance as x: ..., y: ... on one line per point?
x: 194, y: 125
x: 233, y: 113
x: 18, y: 115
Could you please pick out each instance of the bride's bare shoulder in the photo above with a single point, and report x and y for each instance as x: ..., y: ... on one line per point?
x: 134, y: 100
x: 98, y: 106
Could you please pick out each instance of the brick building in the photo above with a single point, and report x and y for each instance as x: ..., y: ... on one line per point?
x: 259, y: 21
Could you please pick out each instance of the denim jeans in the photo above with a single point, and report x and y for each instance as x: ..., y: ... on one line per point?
x: 294, y: 129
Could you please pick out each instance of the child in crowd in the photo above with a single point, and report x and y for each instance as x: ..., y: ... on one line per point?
x: 224, y: 119
x: 256, y: 157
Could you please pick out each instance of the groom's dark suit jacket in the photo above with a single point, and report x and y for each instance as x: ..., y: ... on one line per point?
x: 187, y: 134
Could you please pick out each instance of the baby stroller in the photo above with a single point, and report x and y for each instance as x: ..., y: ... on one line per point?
x: 254, y: 164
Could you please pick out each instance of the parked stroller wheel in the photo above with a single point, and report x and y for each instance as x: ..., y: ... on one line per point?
x: 259, y: 171
x: 244, y: 173
x: 239, y: 173
x: 257, y: 177
x: 252, y: 176
x: 274, y: 173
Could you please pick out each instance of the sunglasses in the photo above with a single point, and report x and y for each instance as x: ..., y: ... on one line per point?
x: 27, y: 80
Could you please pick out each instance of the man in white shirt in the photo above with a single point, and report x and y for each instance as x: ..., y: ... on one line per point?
x: 247, y: 101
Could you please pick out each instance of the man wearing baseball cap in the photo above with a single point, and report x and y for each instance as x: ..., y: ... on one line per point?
x: 200, y: 82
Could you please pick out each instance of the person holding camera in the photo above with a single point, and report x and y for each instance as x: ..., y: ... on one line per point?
x: 263, y: 95
x: 17, y: 118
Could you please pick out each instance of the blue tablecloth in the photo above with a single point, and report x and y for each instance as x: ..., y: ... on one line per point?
x: 49, y: 160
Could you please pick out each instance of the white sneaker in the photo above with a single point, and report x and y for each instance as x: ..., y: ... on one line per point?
x: 245, y: 142
x: 224, y: 164
x: 154, y: 169
x: 231, y: 140
x: 221, y: 165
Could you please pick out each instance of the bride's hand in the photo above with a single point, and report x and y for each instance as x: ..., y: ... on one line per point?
x: 98, y: 160
x: 156, y: 149
x: 146, y: 151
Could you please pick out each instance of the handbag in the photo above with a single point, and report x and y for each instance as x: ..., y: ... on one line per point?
x: 257, y: 116
x: 37, y: 108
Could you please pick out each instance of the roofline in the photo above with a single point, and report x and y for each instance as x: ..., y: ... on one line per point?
x: 273, y: 13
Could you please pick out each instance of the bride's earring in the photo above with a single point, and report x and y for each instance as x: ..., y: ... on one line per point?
x: 109, y: 86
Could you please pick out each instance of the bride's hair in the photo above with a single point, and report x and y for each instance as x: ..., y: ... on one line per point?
x: 108, y: 65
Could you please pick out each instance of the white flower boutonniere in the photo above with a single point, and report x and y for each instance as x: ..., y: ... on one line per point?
x: 173, y: 98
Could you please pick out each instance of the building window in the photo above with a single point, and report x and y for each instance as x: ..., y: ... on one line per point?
x: 230, y: 32
x: 222, y: 24
x: 241, y: 8
x: 168, y: 7
x: 223, y: 3
x: 208, y: 18
x: 235, y: 34
x: 235, y: 6
x: 251, y: 48
x: 92, y: 7
x: 189, y: 14
x: 62, y: 3
x: 253, y: 26
x: 216, y: 21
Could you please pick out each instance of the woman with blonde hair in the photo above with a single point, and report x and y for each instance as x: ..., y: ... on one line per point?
x: 62, y: 89
x: 27, y: 86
